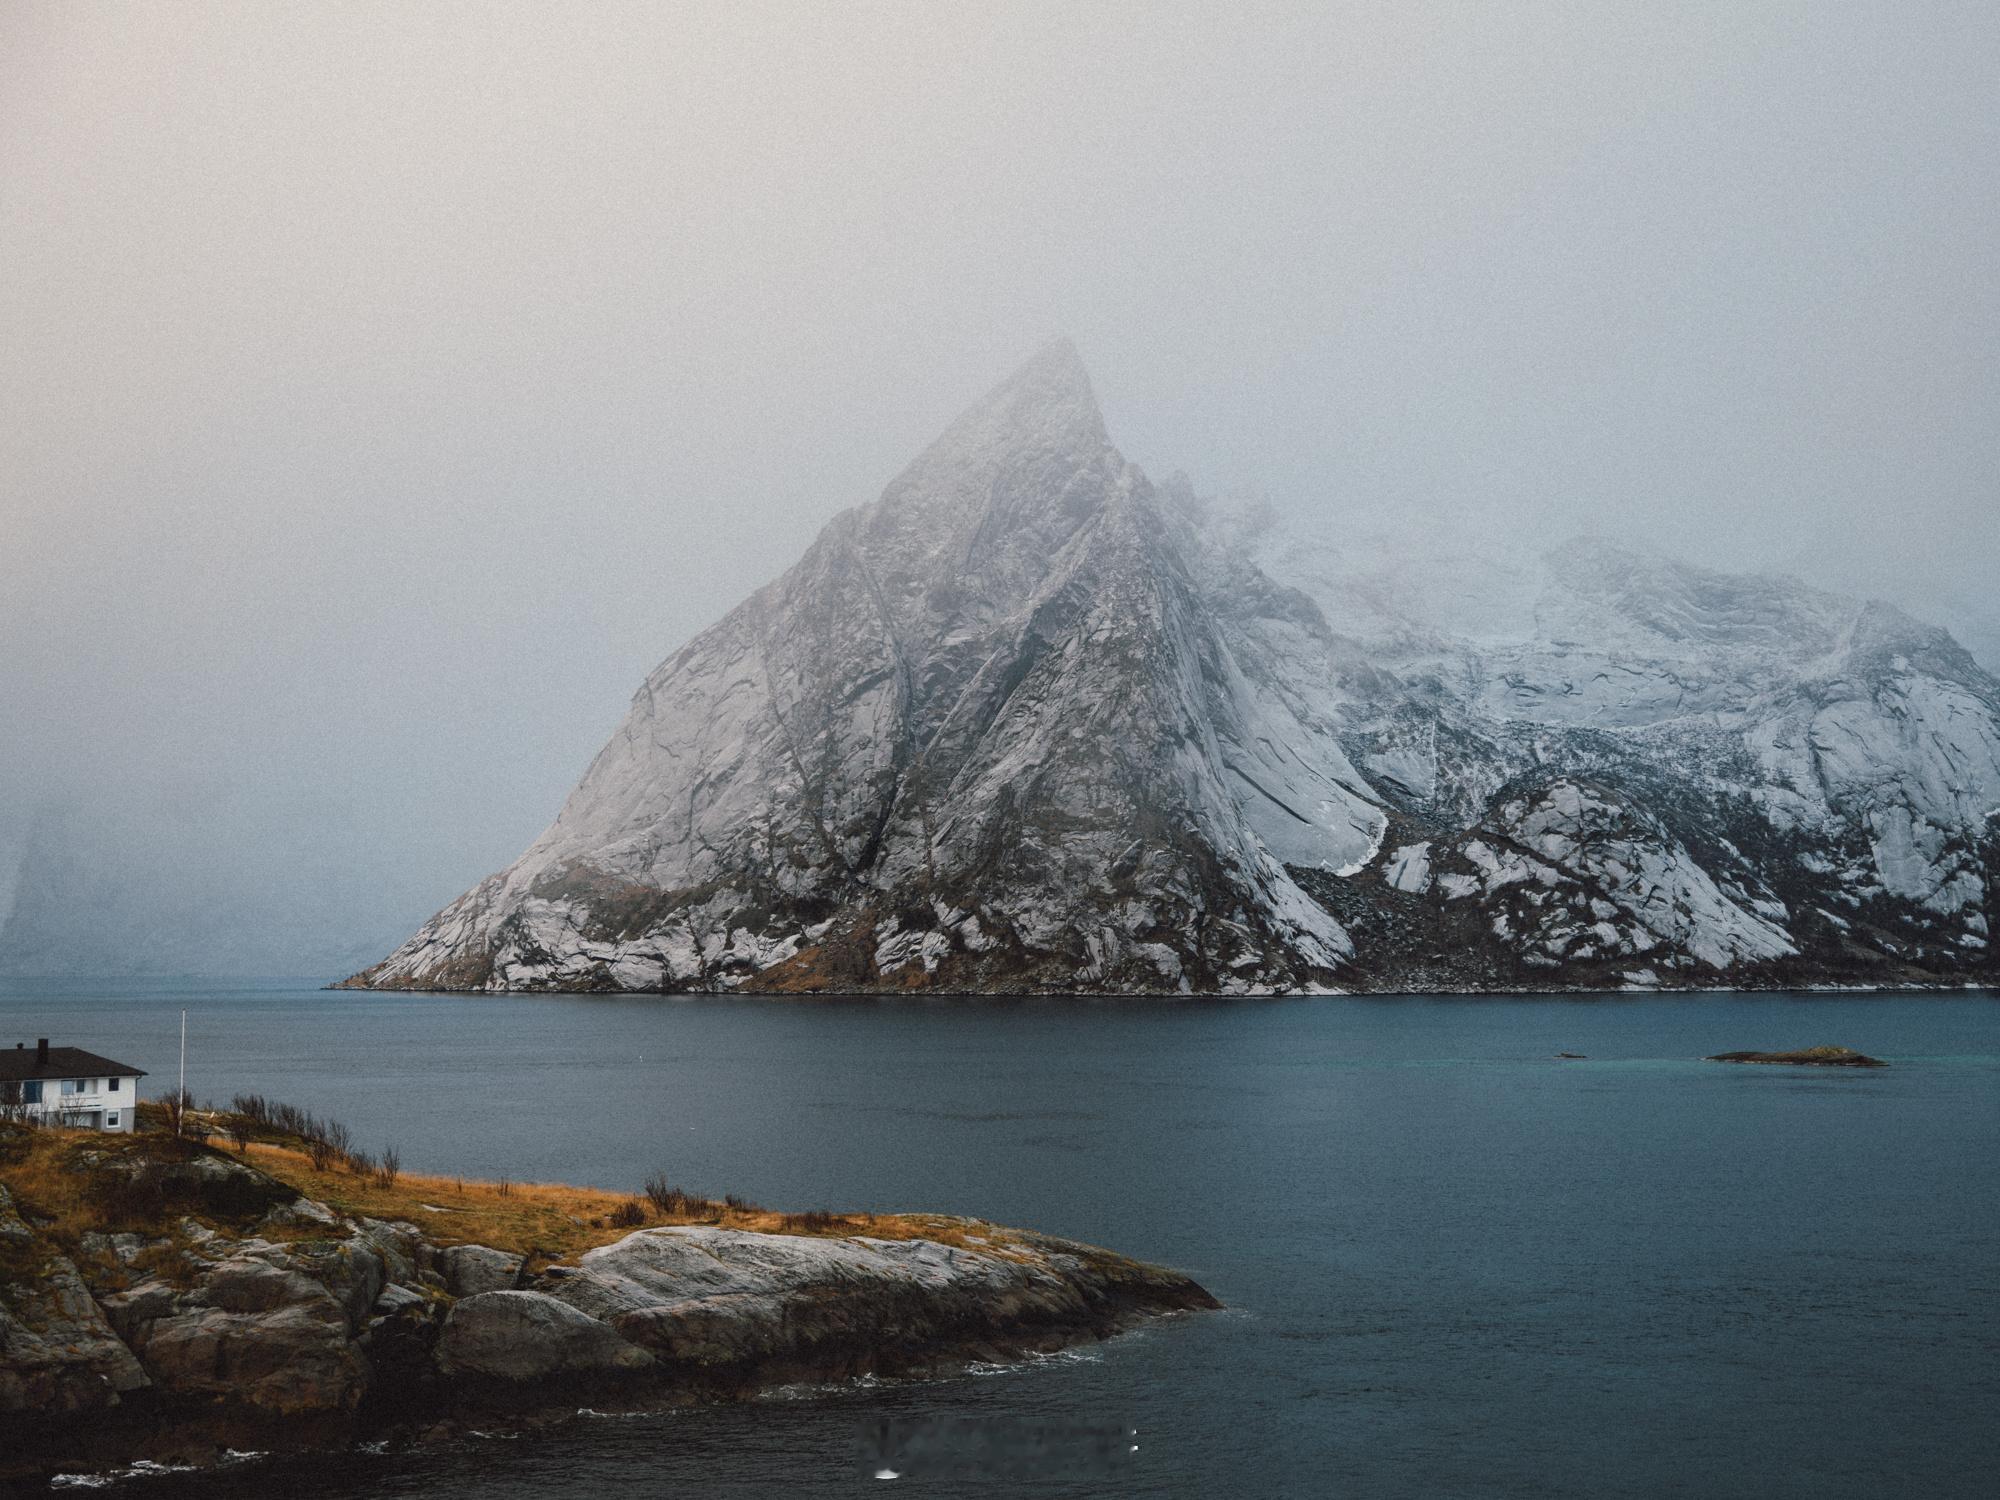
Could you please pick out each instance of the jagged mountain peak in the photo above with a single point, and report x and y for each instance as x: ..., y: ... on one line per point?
x: 974, y: 519
x: 995, y: 721
x: 1037, y: 423
x: 1049, y: 398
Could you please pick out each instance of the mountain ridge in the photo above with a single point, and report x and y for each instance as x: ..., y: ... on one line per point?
x: 1030, y: 721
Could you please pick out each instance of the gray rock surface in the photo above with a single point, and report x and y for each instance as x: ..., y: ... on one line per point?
x: 522, y: 1337
x: 702, y: 1296
x: 59, y: 1356
x: 469, y: 1270
x: 258, y: 1325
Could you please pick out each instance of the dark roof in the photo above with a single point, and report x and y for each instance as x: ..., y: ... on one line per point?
x: 63, y: 1062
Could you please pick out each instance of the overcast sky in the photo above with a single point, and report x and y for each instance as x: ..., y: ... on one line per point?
x: 384, y: 389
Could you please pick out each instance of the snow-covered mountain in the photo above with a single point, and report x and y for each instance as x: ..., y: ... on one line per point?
x: 1030, y: 721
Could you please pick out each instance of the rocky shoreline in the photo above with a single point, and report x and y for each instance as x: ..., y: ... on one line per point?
x: 262, y: 1319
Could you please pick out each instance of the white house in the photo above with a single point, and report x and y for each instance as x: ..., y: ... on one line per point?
x: 67, y: 1086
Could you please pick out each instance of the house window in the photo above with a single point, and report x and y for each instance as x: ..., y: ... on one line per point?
x: 31, y: 1091
x: 111, y: 1119
x: 76, y: 1085
x: 113, y: 1084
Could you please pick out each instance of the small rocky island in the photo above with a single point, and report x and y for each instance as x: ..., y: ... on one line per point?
x: 1810, y: 1057
x: 164, y: 1298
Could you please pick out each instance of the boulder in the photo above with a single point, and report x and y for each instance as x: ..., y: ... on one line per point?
x: 254, y: 1328
x: 350, y: 1270
x: 292, y: 1360
x: 706, y: 1297
x: 395, y: 1299
x: 517, y: 1338
x: 398, y: 1244
x: 244, y: 1284
x: 469, y: 1270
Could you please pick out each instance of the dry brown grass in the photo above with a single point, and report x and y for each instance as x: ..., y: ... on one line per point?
x: 39, y: 1169
x: 561, y: 1221
x: 542, y: 1220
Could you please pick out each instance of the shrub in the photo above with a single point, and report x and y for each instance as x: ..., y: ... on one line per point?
x: 360, y: 1163
x: 814, y: 1221
x: 675, y: 1202
x: 322, y: 1147
x: 389, y: 1168
x: 628, y: 1215
x: 740, y: 1205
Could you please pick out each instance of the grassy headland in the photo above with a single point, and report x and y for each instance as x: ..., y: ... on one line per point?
x: 69, y: 1181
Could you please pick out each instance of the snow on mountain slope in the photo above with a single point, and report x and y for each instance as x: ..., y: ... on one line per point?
x: 1030, y: 721
x: 1755, y: 736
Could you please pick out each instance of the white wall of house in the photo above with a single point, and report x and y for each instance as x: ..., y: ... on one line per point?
x: 95, y: 1103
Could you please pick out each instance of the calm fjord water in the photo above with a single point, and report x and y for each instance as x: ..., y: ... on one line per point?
x: 1453, y: 1265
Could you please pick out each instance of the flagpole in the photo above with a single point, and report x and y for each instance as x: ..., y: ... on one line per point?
x: 180, y: 1095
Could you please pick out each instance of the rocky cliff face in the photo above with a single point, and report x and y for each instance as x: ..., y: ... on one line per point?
x: 1030, y: 721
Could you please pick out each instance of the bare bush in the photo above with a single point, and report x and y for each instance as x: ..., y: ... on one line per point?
x: 814, y: 1221
x: 674, y: 1202
x: 326, y: 1142
x: 628, y: 1215
x: 389, y: 1167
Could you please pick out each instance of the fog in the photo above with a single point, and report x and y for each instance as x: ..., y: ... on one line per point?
x: 384, y: 389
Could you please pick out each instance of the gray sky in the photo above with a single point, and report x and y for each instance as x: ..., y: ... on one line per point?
x: 384, y: 389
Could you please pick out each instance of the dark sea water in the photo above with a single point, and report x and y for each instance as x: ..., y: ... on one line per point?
x: 1453, y: 1265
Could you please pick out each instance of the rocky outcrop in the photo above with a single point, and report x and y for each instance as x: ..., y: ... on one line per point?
x: 525, y: 1339
x: 736, y: 1306
x: 293, y: 1324
x: 1811, y: 1057
x: 469, y: 1270
x: 1030, y: 721
x: 251, y: 1329
x: 59, y: 1356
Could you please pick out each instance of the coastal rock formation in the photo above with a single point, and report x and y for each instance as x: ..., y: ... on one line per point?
x: 256, y: 1317
x: 526, y: 1338
x: 58, y: 1353
x: 734, y: 1304
x: 1811, y: 1057
x: 1031, y: 721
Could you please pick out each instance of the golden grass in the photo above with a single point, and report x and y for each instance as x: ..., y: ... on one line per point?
x: 38, y: 1170
x: 546, y: 1222
x: 557, y: 1220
